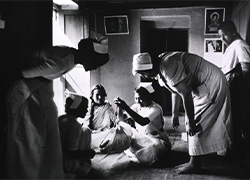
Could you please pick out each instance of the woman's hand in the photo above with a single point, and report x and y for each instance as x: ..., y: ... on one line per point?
x: 175, y: 121
x: 121, y: 103
x: 192, y: 128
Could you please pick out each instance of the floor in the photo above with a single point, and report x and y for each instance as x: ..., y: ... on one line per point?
x: 214, y: 167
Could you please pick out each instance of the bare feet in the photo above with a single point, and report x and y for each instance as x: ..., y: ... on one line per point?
x: 188, y: 168
x: 181, y: 165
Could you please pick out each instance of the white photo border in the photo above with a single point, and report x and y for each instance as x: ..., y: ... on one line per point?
x: 116, y: 25
x: 213, y: 45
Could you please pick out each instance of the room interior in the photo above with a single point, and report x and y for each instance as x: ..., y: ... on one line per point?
x: 29, y: 25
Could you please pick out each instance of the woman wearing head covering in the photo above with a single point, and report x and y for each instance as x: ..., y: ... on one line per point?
x: 75, y: 139
x: 205, y: 94
x: 236, y: 67
x: 150, y: 142
x: 33, y: 147
x: 54, y: 61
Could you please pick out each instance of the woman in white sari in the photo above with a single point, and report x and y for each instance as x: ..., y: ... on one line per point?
x: 100, y: 116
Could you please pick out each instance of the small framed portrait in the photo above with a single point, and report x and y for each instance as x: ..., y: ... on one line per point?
x: 213, y: 17
x: 213, y: 50
x: 213, y: 45
x: 116, y: 25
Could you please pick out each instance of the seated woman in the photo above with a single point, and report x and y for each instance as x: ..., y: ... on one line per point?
x: 75, y: 139
x: 149, y: 141
x: 100, y: 116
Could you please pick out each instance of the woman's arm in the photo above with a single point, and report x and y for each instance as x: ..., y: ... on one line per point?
x: 176, y: 101
x: 139, y: 119
x: 245, y: 70
x: 185, y: 92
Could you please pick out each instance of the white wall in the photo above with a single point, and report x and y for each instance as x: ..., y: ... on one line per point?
x: 116, y: 75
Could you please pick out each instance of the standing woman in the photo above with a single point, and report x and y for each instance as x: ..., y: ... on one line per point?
x: 33, y: 146
x: 204, y: 91
x: 236, y: 67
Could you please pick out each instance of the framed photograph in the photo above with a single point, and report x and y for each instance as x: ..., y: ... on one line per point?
x: 213, y: 50
x: 213, y: 17
x: 213, y: 45
x: 116, y: 25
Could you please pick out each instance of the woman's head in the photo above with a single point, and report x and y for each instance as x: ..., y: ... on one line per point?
x: 92, y: 53
x: 228, y: 32
x: 142, y: 65
x: 142, y: 96
x: 98, y: 94
x: 76, y: 106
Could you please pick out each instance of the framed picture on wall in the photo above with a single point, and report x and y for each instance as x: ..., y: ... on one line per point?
x: 213, y: 45
x: 213, y: 50
x: 116, y: 25
x: 213, y: 17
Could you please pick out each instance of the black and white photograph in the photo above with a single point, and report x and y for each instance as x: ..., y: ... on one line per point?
x: 213, y: 45
x: 213, y: 17
x: 116, y: 25
x: 125, y: 89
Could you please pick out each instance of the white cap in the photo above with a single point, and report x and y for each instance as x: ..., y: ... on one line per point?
x: 102, y: 46
x: 141, y: 61
x: 148, y: 86
x: 77, y: 99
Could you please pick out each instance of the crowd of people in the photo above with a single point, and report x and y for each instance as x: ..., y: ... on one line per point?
x: 41, y: 145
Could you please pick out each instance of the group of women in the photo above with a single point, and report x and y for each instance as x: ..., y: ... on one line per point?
x: 214, y: 124
x: 33, y: 147
x: 202, y: 87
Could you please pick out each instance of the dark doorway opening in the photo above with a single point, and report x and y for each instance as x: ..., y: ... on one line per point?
x: 155, y: 41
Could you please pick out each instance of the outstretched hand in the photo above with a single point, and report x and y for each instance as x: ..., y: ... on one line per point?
x: 121, y: 103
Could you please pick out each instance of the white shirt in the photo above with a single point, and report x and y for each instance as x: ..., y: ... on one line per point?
x: 154, y: 113
x: 238, y: 51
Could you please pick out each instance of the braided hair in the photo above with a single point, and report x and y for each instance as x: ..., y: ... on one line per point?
x: 93, y: 104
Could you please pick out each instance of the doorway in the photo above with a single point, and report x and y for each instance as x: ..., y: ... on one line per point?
x: 155, y: 41
x: 68, y: 29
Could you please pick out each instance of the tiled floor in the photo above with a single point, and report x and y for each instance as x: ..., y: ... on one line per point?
x: 214, y: 167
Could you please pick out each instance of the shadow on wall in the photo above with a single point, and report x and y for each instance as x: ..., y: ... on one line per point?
x: 248, y: 32
x: 247, y: 159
